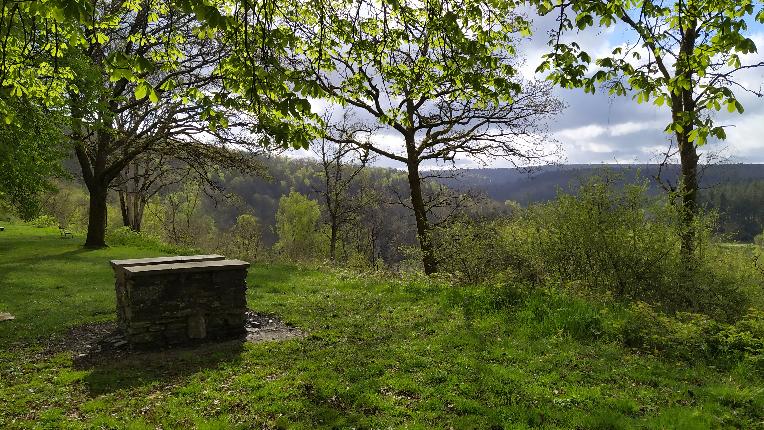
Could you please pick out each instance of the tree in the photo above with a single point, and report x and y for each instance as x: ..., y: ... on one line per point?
x: 30, y: 153
x: 438, y: 74
x: 340, y: 164
x: 684, y: 55
x: 296, y: 220
x: 35, y: 36
x: 176, y: 163
x: 116, y: 116
x: 123, y: 69
x: 181, y: 217
x: 246, y: 237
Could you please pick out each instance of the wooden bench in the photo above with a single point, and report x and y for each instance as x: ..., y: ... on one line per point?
x: 180, y: 300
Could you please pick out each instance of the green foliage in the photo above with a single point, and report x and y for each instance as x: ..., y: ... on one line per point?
x: 759, y: 240
x: 296, y: 224
x: 622, y: 243
x: 470, y: 63
x: 694, y: 337
x: 41, y: 37
x: 244, y: 239
x: 44, y: 221
x: 30, y: 154
x: 472, y: 251
x: 68, y: 203
x: 605, y: 241
x: 179, y: 218
x: 124, y: 236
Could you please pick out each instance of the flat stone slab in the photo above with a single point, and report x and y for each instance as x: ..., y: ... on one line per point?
x: 194, y: 266
x: 165, y: 260
x: 5, y: 316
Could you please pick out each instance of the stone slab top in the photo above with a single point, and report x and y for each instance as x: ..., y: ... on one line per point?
x: 164, y: 260
x: 188, y: 266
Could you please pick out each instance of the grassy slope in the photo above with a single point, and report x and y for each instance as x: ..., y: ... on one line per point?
x: 380, y: 354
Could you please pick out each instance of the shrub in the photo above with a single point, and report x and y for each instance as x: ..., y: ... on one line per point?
x: 605, y: 241
x: 473, y: 251
x: 124, y: 236
x: 696, y: 337
x: 759, y: 240
x: 44, y: 221
x: 622, y: 243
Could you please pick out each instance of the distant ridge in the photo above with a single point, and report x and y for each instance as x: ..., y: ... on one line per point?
x: 541, y: 183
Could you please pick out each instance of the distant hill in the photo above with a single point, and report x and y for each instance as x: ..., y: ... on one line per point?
x: 542, y: 183
x: 736, y: 191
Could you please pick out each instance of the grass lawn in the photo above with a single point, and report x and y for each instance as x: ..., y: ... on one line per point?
x: 380, y: 353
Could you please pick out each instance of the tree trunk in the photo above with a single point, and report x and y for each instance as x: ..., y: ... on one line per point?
x: 96, y: 237
x: 688, y: 190
x: 132, y: 205
x: 123, y: 208
x: 333, y: 241
x: 422, y: 226
x: 688, y: 154
x: 138, y: 219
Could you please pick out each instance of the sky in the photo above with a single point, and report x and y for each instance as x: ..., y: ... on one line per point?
x: 600, y: 128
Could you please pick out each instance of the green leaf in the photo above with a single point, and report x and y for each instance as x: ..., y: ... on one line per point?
x: 141, y: 90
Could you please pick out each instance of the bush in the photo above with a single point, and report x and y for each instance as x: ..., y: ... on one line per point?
x: 606, y: 241
x: 696, y: 337
x: 44, y: 221
x: 759, y: 240
x: 472, y: 251
x: 124, y: 236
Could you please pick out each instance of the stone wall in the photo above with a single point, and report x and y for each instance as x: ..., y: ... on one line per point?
x: 180, y: 300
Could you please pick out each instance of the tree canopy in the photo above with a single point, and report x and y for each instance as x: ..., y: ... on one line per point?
x: 39, y: 34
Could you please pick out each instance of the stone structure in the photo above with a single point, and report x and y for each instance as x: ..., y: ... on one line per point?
x: 180, y: 300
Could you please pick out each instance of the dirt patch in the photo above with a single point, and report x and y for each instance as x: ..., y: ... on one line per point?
x: 103, y: 342
x: 262, y: 328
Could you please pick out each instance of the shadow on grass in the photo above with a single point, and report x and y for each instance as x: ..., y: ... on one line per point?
x: 130, y: 370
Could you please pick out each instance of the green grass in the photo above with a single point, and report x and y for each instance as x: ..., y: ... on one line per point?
x: 381, y: 353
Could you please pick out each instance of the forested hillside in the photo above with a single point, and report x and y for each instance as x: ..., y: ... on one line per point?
x: 735, y: 191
